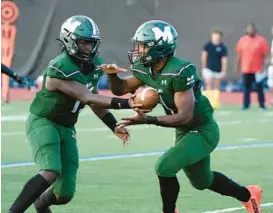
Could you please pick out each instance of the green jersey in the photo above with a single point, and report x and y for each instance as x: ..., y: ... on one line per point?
x: 177, y: 75
x: 55, y: 105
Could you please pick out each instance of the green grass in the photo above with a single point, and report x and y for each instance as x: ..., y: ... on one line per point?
x: 130, y: 185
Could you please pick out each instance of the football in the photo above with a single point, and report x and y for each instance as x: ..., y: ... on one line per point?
x: 148, y: 97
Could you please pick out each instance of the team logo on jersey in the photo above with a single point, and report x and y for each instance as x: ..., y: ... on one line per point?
x: 166, y: 34
x: 190, y: 80
x: 96, y: 76
x: 89, y: 85
x: 74, y: 134
x: 218, y: 49
x: 164, y: 82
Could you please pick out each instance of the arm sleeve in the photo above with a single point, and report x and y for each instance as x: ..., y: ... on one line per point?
x: 266, y: 47
x: 139, y: 73
x: 61, y: 71
x: 206, y: 47
x: 186, y: 80
x: 57, y: 72
x: 225, y: 51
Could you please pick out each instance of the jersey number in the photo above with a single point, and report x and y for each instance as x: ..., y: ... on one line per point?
x: 76, y: 107
x: 78, y: 103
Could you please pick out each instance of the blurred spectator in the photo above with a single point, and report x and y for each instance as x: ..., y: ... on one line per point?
x: 39, y: 82
x: 214, y: 60
x: 19, y: 79
x: 251, y: 50
x: 270, y: 70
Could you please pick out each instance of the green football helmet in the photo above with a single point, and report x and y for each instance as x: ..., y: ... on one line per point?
x: 159, y: 37
x: 80, y: 27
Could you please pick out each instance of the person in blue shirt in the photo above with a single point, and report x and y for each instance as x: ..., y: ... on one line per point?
x: 214, y: 61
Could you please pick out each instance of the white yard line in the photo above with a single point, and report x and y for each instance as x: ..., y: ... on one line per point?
x: 23, y: 116
x: 264, y: 205
x: 80, y: 130
x: 141, y: 127
x: 143, y: 154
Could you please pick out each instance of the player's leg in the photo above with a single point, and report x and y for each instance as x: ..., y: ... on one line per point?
x: 189, y: 149
x: 207, y: 76
x: 64, y: 187
x: 216, y: 90
x: 247, y: 80
x: 260, y: 93
x: 270, y: 82
x: 217, y: 80
x: 201, y: 177
x: 45, y: 143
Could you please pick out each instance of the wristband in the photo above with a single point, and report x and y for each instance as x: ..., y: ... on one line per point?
x: 110, y: 121
x: 152, y: 120
x: 119, y: 103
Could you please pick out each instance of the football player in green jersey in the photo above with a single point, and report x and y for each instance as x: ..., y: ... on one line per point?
x: 188, y: 111
x: 70, y: 82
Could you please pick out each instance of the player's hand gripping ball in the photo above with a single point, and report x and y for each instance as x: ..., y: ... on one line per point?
x: 148, y: 97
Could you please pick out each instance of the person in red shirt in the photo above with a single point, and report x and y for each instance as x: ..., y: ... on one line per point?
x: 251, y: 50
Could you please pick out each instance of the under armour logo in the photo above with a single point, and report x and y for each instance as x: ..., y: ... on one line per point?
x: 164, y: 82
x: 119, y: 105
x: 96, y: 76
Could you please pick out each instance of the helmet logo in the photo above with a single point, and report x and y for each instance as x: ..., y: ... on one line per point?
x: 166, y: 35
x: 148, y: 58
x: 71, y: 25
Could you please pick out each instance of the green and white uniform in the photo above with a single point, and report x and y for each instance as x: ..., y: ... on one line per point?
x: 194, y: 140
x: 50, y: 126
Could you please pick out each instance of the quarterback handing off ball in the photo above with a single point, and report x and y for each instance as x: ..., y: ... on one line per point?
x: 148, y: 97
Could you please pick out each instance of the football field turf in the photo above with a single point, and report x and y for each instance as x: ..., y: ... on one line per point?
x: 116, y: 179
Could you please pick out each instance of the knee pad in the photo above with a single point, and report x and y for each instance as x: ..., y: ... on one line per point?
x: 63, y: 200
